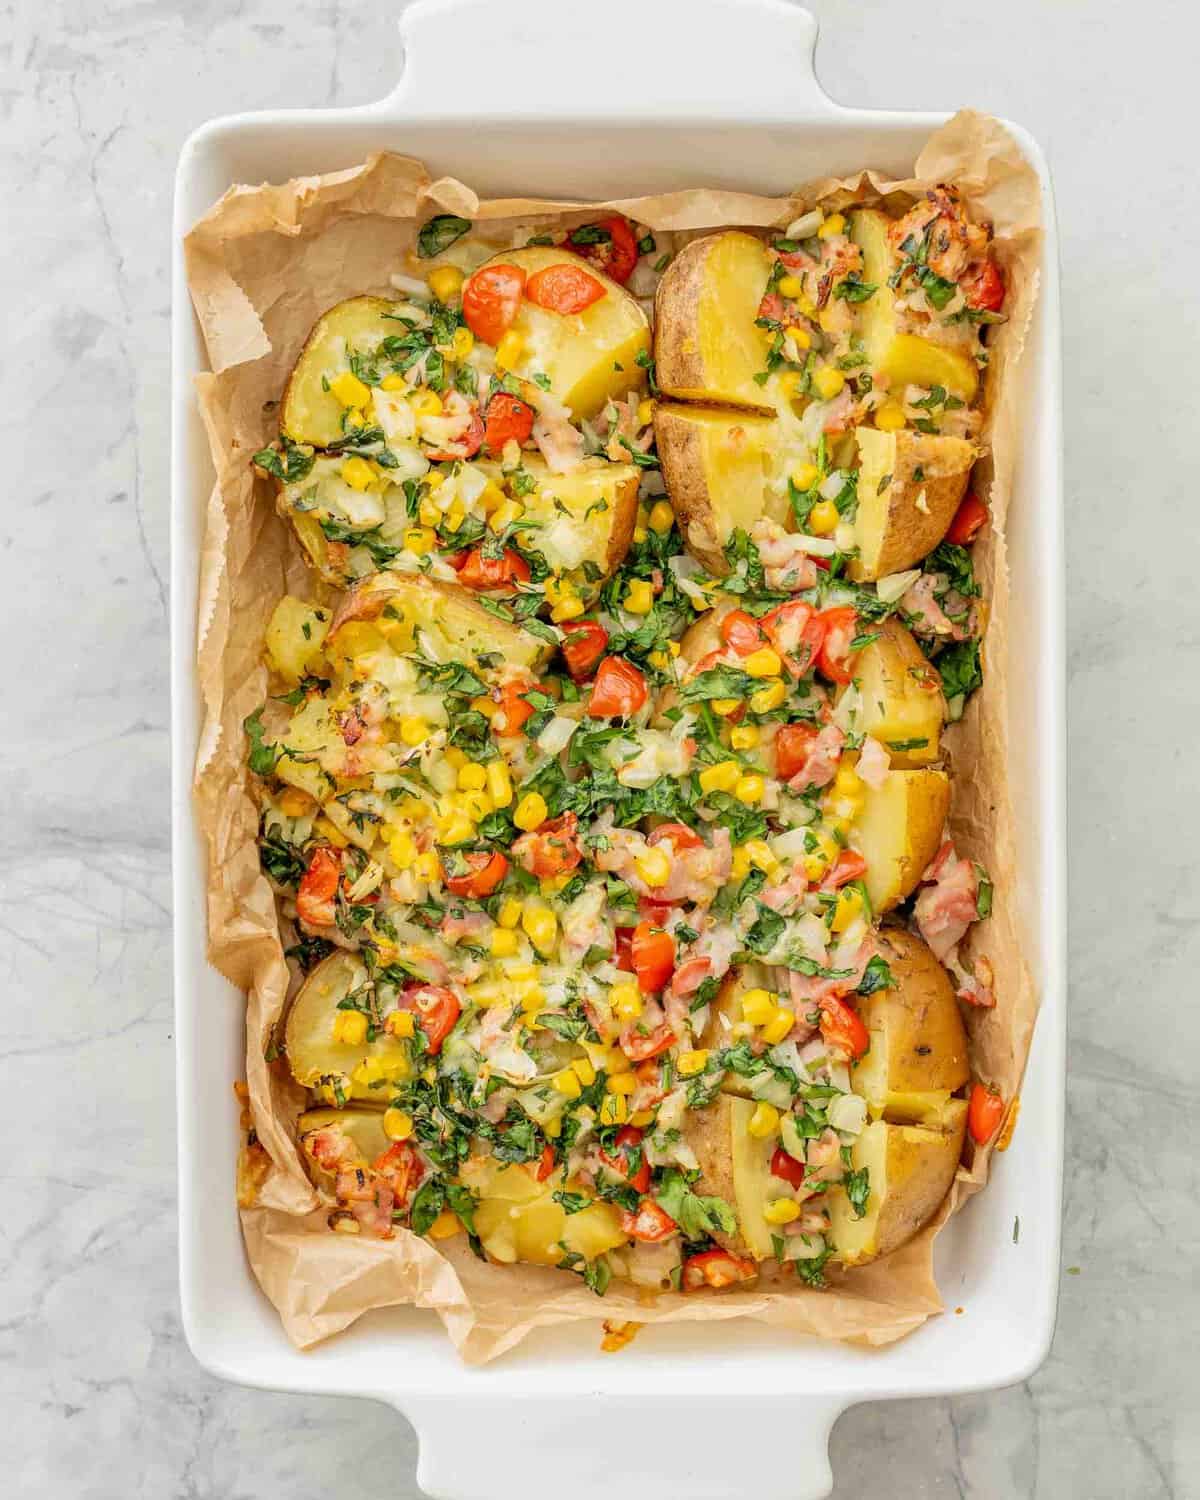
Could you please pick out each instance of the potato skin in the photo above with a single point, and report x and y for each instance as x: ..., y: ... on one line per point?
x: 902, y: 523
x: 902, y: 695
x: 307, y: 413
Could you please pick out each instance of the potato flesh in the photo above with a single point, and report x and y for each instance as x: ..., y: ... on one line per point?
x: 589, y: 357
x: 898, y: 831
x: 517, y: 1218
x: 909, y: 487
x: 362, y: 1126
x: 310, y: 413
x: 295, y: 635
x: 753, y: 1183
x: 732, y: 349
x: 902, y: 702
x: 312, y: 1053
x: 902, y: 358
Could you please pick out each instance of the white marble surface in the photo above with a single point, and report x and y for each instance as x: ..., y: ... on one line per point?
x: 99, y: 1393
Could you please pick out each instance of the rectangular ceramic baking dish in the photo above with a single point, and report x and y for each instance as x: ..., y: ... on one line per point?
x: 551, y: 98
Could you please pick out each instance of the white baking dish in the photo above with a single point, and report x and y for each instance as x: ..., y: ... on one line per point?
x: 548, y: 99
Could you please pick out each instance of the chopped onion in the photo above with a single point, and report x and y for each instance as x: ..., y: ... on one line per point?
x: 847, y: 1113
x: 832, y: 485
x: 893, y: 586
x: 805, y: 226
x: 816, y: 546
x: 410, y: 284
x: 557, y: 735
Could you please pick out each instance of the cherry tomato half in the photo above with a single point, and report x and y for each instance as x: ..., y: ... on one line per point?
x: 552, y: 849
x: 318, y: 887
x: 653, y: 955
x: 784, y: 1165
x: 628, y: 1141
x: 641, y: 1048
x: 486, y: 574
x: 985, y: 1110
x: 968, y: 520
x: 835, y: 659
x: 436, y: 1010
x: 792, y: 746
x: 563, y: 289
x: 650, y: 1224
x: 843, y: 1028
x: 490, y: 301
x: 509, y: 419
x: 546, y: 1164
x: 586, y: 643
x: 465, y: 446
x: 515, y: 710
x: 619, y: 690
x: 623, y: 949
x: 484, y: 875
x: 983, y: 286
x: 716, y: 1268
x: 848, y: 866
x: 616, y: 256
x: 678, y: 835
x: 797, y: 632
x: 740, y: 631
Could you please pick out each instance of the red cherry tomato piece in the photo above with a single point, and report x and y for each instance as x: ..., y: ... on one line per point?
x: 716, y: 1268
x: 792, y: 746
x: 546, y: 1165
x: 563, y: 289
x: 490, y: 301
x: 678, y: 835
x: 740, y: 631
x: 985, y: 1110
x: 515, y: 710
x: 466, y: 446
x: 481, y: 879
x: 983, y: 286
x: 628, y: 1142
x: 623, y: 949
x: 318, y: 887
x: 487, y: 574
x: 797, y: 632
x: 619, y: 690
x: 784, y: 1165
x: 835, y: 659
x: 436, y: 1010
x: 848, y: 866
x: 843, y: 1028
x: 552, y: 849
x: 616, y: 256
x: 638, y: 1048
x: 968, y: 520
x: 508, y: 419
x: 586, y: 643
x: 650, y: 1224
x: 653, y: 954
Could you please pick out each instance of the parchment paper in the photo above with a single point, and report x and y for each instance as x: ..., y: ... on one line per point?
x: 263, y: 264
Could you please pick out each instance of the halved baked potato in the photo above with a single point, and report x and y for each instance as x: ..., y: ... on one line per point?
x: 318, y: 1061
x: 909, y: 487
x: 364, y: 1127
x: 582, y: 522
x: 736, y: 1167
x: 715, y: 465
x: 588, y: 357
x: 902, y: 705
x: 910, y: 1169
x: 310, y: 412
x: 295, y: 638
x: 517, y: 1218
x: 707, y: 347
x: 898, y: 831
x: 902, y: 358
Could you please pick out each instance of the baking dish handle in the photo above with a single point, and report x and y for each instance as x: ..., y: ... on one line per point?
x: 646, y: 59
x: 774, y: 1447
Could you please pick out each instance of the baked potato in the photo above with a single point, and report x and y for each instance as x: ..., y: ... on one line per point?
x: 898, y: 830
x: 518, y: 1219
x: 318, y: 1059
x: 901, y: 358
x: 310, y: 413
x: 909, y: 1171
x: 909, y: 487
x: 582, y: 522
x: 296, y: 635
x: 707, y: 347
x: 900, y: 694
x: 363, y: 1127
x: 588, y: 357
x: 735, y: 1166
x: 715, y: 466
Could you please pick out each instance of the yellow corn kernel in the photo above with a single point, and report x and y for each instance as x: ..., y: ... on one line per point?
x: 584, y: 1071
x: 626, y: 1001
x: 722, y: 777
x: 890, y: 417
x: 510, y: 912
x: 552, y: 1129
x: 331, y: 833
x: 758, y: 1006
x: 349, y: 389
x: 491, y: 497
x: 358, y: 473
x: 355, y: 417
x: 790, y: 286
x: 499, y: 783
x: 834, y: 225
x: 778, y: 1026
x: 558, y: 588
x: 509, y: 349
x: 472, y: 777
x: 673, y: 647
x: 504, y: 515
x: 403, y: 849
x: 420, y: 540
x: 744, y: 736
x: 764, y: 1122
x: 485, y: 706
x: 445, y: 1226
x: 541, y: 925
x: 740, y: 865
x: 639, y: 535
x: 455, y: 516
x: 457, y: 828
x: 848, y: 909
x: 350, y: 1027
x: 455, y: 757
x: 750, y: 789
x: 413, y: 731
x: 765, y: 662
x: 462, y: 343
x: 725, y: 706
x: 614, y: 1109
x: 293, y: 803
x: 531, y: 811
x: 823, y: 518
x: 393, y: 383
x: 763, y: 857
x: 691, y: 1063
x: 662, y: 517
x: 426, y: 403
x: 397, y: 1124
x: 847, y: 782
x: 659, y: 659
x: 789, y: 384
x: 799, y: 336
x: 504, y: 942
x: 569, y: 609
x: 567, y: 1083
x: 639, y: 597
x: 828, y: 382
x: 401, y: 1023
x: 622, y: 1083
x: 445, y: 282
x: 427, y: 866
x: 820, y: 856
x: 645, y: 412
x: 476, y: 805
x: 781, y: 1211
x: 427, y: 513
x: 653, y: 867
x: 769, y: 697
x: 642, y: 1118
x: 804, y: 476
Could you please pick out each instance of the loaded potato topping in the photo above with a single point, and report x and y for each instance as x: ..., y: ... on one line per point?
x: 585, y: 802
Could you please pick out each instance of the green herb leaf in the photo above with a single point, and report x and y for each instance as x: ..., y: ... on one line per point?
x: 439, y: 233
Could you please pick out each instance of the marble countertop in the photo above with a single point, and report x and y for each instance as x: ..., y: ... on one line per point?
x: 100, y: 1394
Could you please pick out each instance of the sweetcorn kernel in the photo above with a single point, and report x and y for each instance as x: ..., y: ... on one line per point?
x: 725, y: 706
x: 614, y: 1109
x: 820, y: 856
x: 740, y: 865
x: 847, y: 782
x: 758, y: 1006
x: 653, y: 866
x: 531, y: 811
x: 426, y: 403
x: 626, y: 1001
x: 662, y: 517
x: 691, y: 1063
x: 569, y: 609
x: 427, y: 512
x: 744, y: 736
x: 462, y: 343
x: 722, y: 777
x: 445, y: 282
x: 413, y: 731
x: 799, y: 336
x: 750, y: 789
x: 890, y: 417
x: 505, y: 514
x: 622, y: 1083
x: 401, y: 1023
x: 472, y: 777
x: 350, y: 1028
x: 848, y: 909
x: 397, y: 1124
x: 778, y: 1026
x: 541, y: 926
x: 769, y: 697
x: 420, y: 540
x: 639, y: 597
x: 804, y: 476
x: 393, y: 383
x: 509, y: 349
x: 828, y: 382
x: 764, y: 1122
x: 427, y: 866
x: 781, y: 1211
x: 823, y: 518
x: 834, y: 225
x: 358, y: 473
x: 790, y: 383
x: 790, y: 286
x: 765, y: 662
x: 499, y: 783
x: 349, y: 389
x: 445, y: 1226
x: 567, y: 1083
x: 503, y: 942
x: 584, y: 1071
x: 509, y: 913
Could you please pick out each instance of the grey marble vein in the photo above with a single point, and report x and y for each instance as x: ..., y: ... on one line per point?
x: 101, y: 1398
